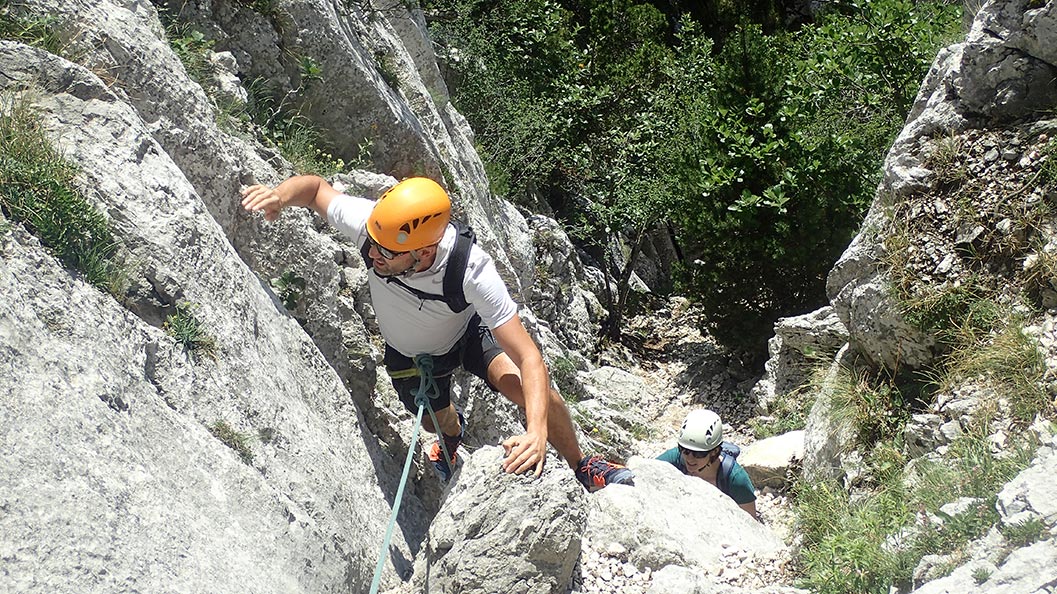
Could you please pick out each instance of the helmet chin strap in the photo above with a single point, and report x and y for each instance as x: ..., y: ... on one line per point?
x: 413, y: 268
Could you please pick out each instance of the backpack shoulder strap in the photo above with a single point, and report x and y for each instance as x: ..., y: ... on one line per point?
x: 730, y: 452
x: 455, y: 274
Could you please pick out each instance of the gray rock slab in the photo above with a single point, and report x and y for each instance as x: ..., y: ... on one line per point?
x: 1032, y: 495
x: 265, y: 377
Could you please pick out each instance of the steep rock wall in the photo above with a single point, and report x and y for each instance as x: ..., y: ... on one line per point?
x: 107, y: 442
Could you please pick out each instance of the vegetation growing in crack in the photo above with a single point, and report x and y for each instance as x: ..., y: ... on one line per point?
x: 873, y: 536
x: 289, y: 287
x: 275, y: 117
x: 282, y: 122
x: 189, y: 332
x: 192, y: 48
x: 39, y: 189
x: 239, y: 442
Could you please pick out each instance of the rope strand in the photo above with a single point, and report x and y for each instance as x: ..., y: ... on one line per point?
x: 427, y: 390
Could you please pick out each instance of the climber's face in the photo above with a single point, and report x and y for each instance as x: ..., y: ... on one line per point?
x: 698, y: 464
x: 389, y: 266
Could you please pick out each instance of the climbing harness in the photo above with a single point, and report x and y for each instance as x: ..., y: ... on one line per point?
x: 427, y: 390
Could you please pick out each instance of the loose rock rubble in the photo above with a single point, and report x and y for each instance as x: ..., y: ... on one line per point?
x: 609, y: 572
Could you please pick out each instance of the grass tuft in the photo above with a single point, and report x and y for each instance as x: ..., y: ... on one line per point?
x: 1048, y: 166
x: 1007, y: 358
x: 189, y: 332
x: 42, y: 32
x: 38, y: 190
x: 1025, y: 533
x: 875, y: 408
x: 285, y: 127
x: 240, y: 442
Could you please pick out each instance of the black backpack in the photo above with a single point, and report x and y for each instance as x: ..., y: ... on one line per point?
x: 730, y: 452
x: 453, y: 276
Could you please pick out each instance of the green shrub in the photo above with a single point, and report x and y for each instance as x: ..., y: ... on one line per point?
x: 38, y: 189
x: 189, y: 333
x: 760, y: 149
x: 844, y: 540
x: 239, y: 442
x: 309, y: 69
x: 290, y: 288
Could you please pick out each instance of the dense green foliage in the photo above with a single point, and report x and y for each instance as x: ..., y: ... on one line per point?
x: 758, y: 146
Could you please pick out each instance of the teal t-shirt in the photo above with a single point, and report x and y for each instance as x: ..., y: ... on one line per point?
x: 740, y: 488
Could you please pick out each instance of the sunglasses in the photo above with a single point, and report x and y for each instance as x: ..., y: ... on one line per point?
x: 694, y: 453
x: 386, y: 253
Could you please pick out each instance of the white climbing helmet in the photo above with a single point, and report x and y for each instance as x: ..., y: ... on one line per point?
x: 702, y: 431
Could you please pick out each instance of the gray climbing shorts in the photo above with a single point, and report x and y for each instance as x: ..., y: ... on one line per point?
x: 474, y: 352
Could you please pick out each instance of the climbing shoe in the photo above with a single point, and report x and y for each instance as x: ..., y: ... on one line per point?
x: 595, y: 472
x: 445, y: 468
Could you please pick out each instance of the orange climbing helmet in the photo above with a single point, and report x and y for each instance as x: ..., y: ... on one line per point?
x: 410, y: 215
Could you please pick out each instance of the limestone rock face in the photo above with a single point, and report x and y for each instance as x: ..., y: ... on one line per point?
x: 798, y: 346
x: 314, y: 467
x: 1033, y: 494
x: 557, y: 294
x: 499, y: 532
x: 1004, y: 70
x: 112, y: 477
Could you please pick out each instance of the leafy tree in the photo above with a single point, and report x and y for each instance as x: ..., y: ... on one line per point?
x: 759, y: 147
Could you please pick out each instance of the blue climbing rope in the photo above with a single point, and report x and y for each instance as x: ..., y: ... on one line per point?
x: 427, y: 390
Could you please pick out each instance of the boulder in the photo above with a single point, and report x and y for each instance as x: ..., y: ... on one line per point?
x: 499, y: 532
x: 772, y: 462
x: 668, y: 518
x: 826, y: 437
x: 799, y: 345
